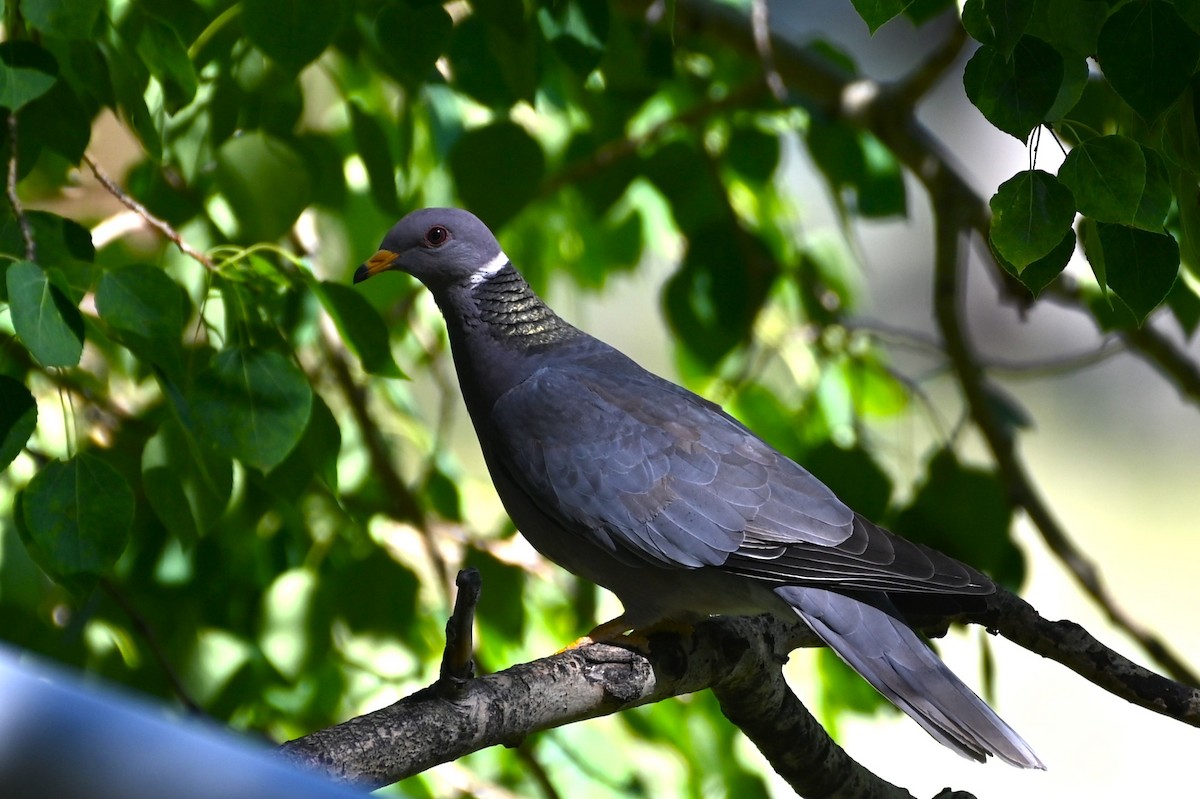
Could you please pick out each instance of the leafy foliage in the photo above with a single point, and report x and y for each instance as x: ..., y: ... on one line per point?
x: 1129, y: 127
x: 190, y: 438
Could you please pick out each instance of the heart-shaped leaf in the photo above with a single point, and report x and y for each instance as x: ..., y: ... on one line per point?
x: 50, y: 326
x: 252, y: 405
x: 78, y: 513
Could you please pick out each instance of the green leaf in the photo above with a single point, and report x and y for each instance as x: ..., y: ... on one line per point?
x: 57, y: 121
x: 50, y: 326
x: 1188, y: 204
x: 1141, y: 266
x: 64, y: 247
x: 862, y: 173
x: 370, y: 141
x: 66, y: 19
x: 1114, y: 180
x: 376, y: 594
x: 147, y: 309
x: 853, y: 475
x: 1015, y: 93
x: 1094, y: 253
x: 1185, y: 306
x: 753, y: 153
x: 316, y: 454
x: 294, y: 624
x: 498, y: 169
x: 877, y: 12
x: 997, y: 23
x: 1073, y: 26
x: 252, y: 405
x: 161, y: 50
x: 266, y: 184
x: 1155, y: 202
x: 18, y: 418
x: 955, y: 498
x: 292, y: 32
x: 128, y: 77
x: 576, y: 31
x: 186, y: 481
x: 26, y: 73
x: 1031, y: 213
x: 409, y: 40
x: 1181, y: 134
x: 1148, y: 54
x: 492, y: 64
x: 1042, y: 272
x: 360, y: 325
x: 78, y: 514
x: 715, y: 296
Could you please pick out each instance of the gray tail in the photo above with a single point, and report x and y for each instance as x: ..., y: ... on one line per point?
x: 902, y: 667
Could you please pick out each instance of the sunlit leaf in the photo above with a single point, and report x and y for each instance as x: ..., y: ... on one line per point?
x: 49, y: 325
x: 292, y: 633
x: 360, y: 325
x: 26, y: 73
x: 265, y: 182
x: 146, y: 307
x: 370, y: 141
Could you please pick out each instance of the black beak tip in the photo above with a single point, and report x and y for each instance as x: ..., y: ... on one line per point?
x: 361, y: 274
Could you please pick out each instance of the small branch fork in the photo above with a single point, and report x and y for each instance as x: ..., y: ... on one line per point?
x: 739, y: 658
x: 142, y: 211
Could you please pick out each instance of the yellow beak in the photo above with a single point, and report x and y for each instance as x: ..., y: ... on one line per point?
x: 379, y: 262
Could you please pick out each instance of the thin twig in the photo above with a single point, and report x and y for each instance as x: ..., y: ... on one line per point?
x: 161, y: 225
x: 147, y: 632
x: 13, y: 198
x: 760, y: 21
x: 613, y: 152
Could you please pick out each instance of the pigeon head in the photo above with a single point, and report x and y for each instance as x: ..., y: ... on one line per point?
x: 438, y: 246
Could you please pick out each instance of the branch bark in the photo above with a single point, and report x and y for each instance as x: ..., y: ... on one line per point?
x: 740, y: 659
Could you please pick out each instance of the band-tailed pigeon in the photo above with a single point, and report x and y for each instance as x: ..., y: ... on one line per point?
x: 660, y: 496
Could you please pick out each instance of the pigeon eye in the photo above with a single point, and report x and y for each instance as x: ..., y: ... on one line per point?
x: 436, y: 236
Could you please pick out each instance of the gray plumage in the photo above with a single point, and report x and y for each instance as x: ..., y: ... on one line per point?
x: 660, y: 496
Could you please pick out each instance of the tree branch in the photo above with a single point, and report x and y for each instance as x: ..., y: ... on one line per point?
x: 14, y: 199
x: 737, y: 654
x: 886, y: 110
x: 740, y: 659
x: 158, y: 224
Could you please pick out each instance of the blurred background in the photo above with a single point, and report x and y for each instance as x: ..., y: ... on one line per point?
x: 645, y: 191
